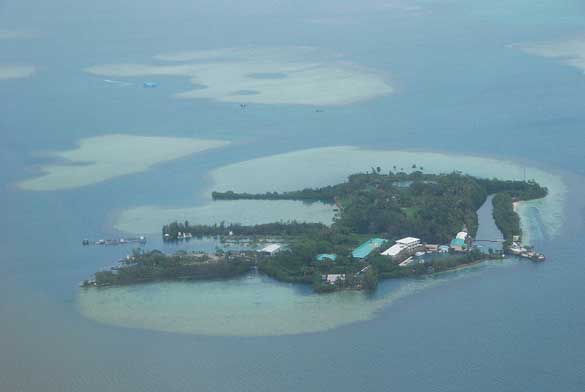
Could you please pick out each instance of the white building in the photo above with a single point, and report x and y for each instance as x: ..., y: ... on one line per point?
x: 333, y: 278
x: 394, y: 250
x: 462, y: 235
x: 410, y: 243
x: 403, y: 247
x: 271, y: 249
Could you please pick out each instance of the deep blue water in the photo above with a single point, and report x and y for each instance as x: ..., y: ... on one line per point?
x: 459, y: 89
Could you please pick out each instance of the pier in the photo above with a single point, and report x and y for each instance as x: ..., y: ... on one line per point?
x: 114, y: 242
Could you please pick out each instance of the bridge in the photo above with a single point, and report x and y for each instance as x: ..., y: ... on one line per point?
x: 502, y: 241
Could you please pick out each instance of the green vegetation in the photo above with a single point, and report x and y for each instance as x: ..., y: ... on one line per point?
x: 291, y: 228
x: 156, y: 266
x: 431, y: 207
x: 439, y: 263
x: 505, y: 217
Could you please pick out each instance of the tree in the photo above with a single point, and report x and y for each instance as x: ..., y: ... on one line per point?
x: 371, y: 279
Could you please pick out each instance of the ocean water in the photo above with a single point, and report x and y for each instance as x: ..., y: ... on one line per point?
x: 450, y: 78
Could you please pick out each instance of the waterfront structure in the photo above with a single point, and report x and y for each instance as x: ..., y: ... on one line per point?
x: 461, y: 242
x: 403, y: 247
x: 364, y: 250
x: 271, y: 249
x: 432, y: 248
x: 333, y: 278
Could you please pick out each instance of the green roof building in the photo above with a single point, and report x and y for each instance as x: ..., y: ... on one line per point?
x: 364, y: 250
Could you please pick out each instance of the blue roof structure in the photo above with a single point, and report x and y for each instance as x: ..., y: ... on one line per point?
x: 458, y: 242
x: 326, y: 256
x: 362, y: 251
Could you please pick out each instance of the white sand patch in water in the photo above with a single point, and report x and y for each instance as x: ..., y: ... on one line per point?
x: 570, y: 52
x: 17, y: 34
x: 16, y: 71
x: 308, y: 78
x: 101, y: 158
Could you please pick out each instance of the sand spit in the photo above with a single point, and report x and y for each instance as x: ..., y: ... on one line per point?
x: 101, y: 158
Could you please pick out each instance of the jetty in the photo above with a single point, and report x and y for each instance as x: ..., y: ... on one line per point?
x: 517, y: 249
x: 114, y: 242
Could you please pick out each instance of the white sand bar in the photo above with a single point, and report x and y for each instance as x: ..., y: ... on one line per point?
x: 101, y: 158
x: 16, y: 71
x: 292, y: 75
x: 570, y: 52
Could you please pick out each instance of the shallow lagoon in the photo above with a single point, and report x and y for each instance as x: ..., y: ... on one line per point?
x: 250, y: 306
x: 259, y: 306
x: 150, y: 219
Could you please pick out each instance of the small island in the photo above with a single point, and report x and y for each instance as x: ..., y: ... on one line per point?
x: 385, y: 226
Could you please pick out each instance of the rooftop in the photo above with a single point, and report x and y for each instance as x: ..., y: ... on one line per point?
x: 326, y: 256
x: 408, y: 241
x: 458, y: 242
x: 332, y: 278
x: 271, y: 248
x: 367, y: 247
x: 462, y: 235
x: 394, y: 250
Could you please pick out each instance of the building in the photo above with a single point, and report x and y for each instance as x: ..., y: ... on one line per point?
x: 333, y: 278
x: 432, y: 248
x: 461, y: 242
x: 325, y: 257
x: 364, y: 250
x: 444, y: 249
x: 271, y: 249
x: 403, y: 248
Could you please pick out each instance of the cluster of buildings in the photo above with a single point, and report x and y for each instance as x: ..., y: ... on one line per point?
x: 403, y: 248
x: 461, y: 242
x: 404, y: 251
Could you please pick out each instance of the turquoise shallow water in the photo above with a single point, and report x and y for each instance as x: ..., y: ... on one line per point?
x: 458, y: 88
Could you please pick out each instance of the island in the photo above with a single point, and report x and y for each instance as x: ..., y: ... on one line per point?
x: 385, y: 226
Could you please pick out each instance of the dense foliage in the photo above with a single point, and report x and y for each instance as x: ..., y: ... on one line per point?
x: 431, y: 207
x: 157, y: 266
x: 291, y: 228
x: 505, y: 217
